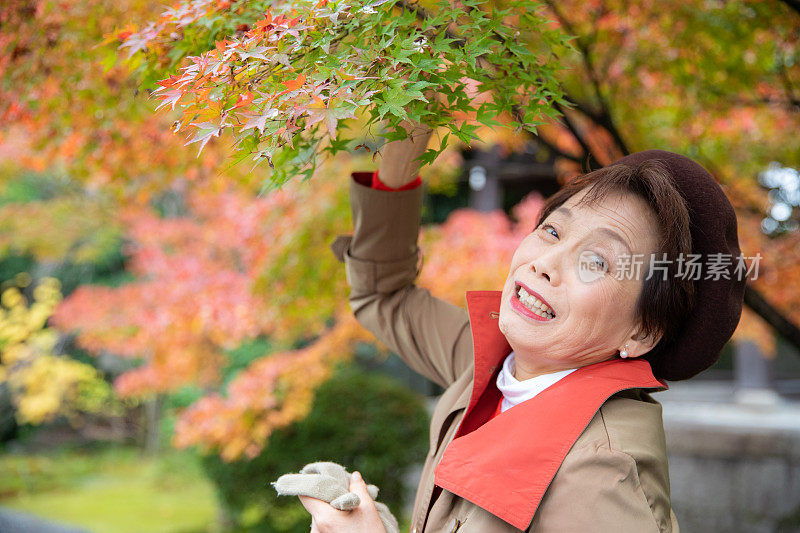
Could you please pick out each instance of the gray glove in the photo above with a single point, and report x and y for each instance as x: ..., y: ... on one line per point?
x: 330, y: 482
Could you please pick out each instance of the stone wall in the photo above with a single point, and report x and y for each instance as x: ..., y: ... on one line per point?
x: 733, y: 467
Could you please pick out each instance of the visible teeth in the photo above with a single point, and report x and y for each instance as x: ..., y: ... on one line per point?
x: 535, y: 304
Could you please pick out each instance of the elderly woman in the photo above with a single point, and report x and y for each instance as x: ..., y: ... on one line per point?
x: 547, y: 423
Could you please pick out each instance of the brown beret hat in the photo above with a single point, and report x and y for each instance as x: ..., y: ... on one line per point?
x: 718, y: 303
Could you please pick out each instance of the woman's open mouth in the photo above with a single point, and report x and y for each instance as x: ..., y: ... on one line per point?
x: 530, y: 303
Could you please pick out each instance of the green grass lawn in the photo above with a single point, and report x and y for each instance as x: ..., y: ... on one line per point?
x: 111, y: 490
x: 114, y: 490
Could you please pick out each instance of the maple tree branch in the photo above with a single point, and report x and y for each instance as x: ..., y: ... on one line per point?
x: 608, y: 123
x: 423, y: 16
x: 603, y: 117
x: 772, y: 316
x: 584, y: 49
x: 789, y: 87
x: 573, y: 128
x: 791, y: 103
x: 556, y: 151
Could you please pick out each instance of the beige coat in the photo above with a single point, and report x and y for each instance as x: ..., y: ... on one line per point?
x: 568, y: 460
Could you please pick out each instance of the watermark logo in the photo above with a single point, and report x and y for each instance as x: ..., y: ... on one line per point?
x: 591, y: 267
x: 695, y: 267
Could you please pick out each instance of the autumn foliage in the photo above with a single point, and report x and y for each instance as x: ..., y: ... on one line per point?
x: 66, y: 109
x: 43, y: 384
x: 231, y: 270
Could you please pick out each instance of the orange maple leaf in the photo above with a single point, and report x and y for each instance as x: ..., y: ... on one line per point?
x: 296, y: 83
x: 244, y: 100
x: 293, y: 85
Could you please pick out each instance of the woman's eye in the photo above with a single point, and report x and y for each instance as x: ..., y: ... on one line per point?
x: 600, y: 262
x: 551, y: 230
x: 592, y: 266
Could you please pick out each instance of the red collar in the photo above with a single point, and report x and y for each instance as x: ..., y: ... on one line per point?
x: 508, y: 477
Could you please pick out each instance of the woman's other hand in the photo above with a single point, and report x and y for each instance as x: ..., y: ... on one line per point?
x: 362, y: 519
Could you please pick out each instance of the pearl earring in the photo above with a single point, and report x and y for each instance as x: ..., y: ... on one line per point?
x: 624, y: 352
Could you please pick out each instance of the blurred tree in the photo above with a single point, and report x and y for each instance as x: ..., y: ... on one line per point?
x: 42, y: 384
x: 232, y: 268
x: 65, y: 108
x: 73, y: 237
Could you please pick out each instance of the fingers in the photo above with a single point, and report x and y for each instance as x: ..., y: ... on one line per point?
x: 416, y: 129
x: 323, y: 516
x: 314, y: 505
x: 359, y: 486
x: 362, y: 519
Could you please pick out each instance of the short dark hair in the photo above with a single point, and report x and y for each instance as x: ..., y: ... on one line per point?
x: 664, y: 302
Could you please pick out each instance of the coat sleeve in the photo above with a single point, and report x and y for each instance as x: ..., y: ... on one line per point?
x: 596, y: 489
x: 381, y: 264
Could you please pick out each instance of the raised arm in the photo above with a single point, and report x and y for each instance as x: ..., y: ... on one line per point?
x: 381, y: 258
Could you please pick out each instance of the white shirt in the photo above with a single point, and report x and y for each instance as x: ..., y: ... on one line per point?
x: 515, y: 391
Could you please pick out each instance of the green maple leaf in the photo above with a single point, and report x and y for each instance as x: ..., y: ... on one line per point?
x: 395, y: 100
x: 327, y: 112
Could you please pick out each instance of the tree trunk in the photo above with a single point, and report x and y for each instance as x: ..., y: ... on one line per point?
x: 152, y: 420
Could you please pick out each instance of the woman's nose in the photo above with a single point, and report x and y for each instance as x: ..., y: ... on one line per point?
x: 545, y: 267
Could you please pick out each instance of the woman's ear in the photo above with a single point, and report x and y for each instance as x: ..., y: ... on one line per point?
x: 639, y: 344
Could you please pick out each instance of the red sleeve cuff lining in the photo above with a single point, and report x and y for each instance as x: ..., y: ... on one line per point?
x: 379, y: 185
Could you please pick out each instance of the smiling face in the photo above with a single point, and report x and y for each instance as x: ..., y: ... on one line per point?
x: 589, y: 312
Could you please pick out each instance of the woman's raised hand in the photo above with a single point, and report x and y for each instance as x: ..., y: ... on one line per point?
x: 397, y: 166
